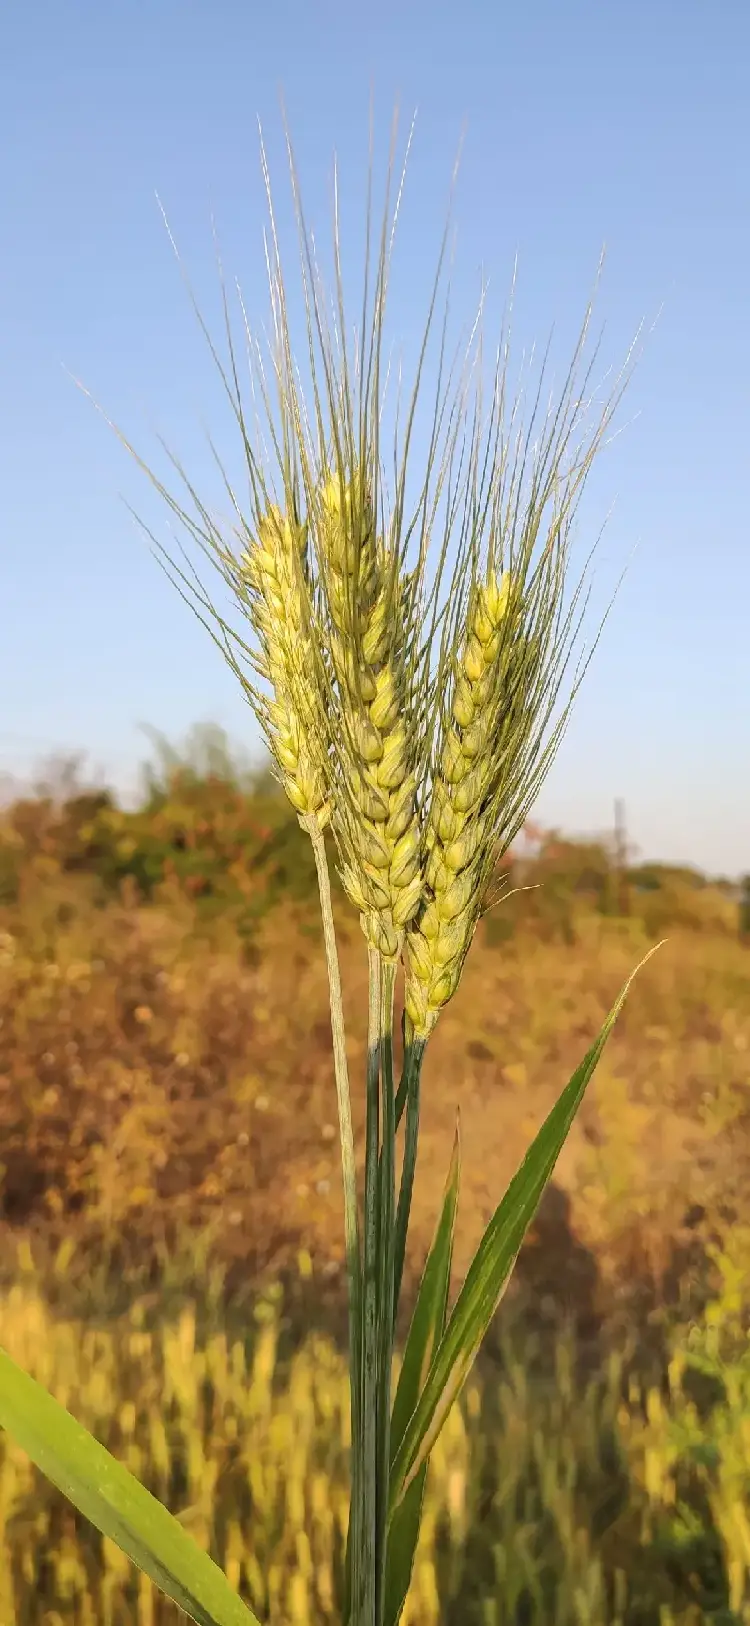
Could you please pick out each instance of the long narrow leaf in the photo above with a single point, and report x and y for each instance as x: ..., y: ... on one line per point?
x: 412, y: 1075
x: 428, y: 1319
x: 490, y: 1271
x: 425, y: 1332
x: 403, y: 1536
x: 114, y: 1501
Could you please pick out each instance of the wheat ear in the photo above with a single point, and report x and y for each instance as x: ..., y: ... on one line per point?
x: 459, y: 824
x: 376, y: 814
x: 274, y: 571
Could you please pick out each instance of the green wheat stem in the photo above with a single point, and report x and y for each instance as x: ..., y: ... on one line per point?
x: 411, y: 1082
x: 365, y: 1598
x: 349, y: 1171
x: 386, y: 1239
x: 403, y: 1082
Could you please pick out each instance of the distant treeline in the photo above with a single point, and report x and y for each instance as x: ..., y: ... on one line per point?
x: 223, y: 835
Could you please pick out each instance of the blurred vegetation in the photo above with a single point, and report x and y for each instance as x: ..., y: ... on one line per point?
x: 165, y: 1074
x: 206, y: 828
x: 555, y: 1494
x: 220, y: 832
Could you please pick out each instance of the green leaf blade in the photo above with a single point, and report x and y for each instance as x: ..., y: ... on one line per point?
x: 115, y: 1502
x: 491, y: 1269
x: 428, y: 1319
x: 403, y: 1536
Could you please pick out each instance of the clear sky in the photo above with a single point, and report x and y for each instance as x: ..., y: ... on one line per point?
x: 586, y: 122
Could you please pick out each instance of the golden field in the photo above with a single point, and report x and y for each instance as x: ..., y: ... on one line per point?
x: 172, y: 1231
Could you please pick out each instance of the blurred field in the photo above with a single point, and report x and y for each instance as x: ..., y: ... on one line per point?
x: 558, y: 1492
x: 166, y: 1091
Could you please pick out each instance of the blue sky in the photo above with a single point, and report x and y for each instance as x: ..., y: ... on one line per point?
x: 585, y: 123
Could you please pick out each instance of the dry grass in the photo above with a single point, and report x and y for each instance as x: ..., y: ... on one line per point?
x: 535, y: 1506
x: 155, y: 1080
x: 556, y: 1494
x: 149, y: 1075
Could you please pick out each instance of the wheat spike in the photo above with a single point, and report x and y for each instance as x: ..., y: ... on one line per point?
x: 377, y: 824
x: 460, y: 827
x: 274, y: 572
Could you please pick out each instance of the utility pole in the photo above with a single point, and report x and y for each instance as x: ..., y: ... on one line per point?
x: 745, y: 909
x: 621, y: 889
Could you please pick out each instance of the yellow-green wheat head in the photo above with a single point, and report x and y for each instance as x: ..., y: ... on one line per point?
x: 501, y: 692
x: 281, y: 612
x: 405, y: 663
x: 477, y: 779
x: 370, y: 631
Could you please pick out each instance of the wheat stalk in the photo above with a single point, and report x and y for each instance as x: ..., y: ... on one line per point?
x: 420, y: 725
